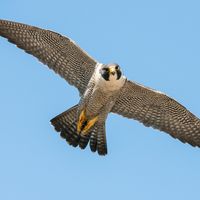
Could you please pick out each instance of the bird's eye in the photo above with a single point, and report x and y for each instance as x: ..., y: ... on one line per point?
x: 105, y: 69
x: 117, y: 67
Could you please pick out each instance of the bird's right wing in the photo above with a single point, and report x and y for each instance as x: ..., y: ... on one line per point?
x: 159, y: 111
x: 58, y: 52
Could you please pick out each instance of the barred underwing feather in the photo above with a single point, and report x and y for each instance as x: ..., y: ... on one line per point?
x: 159, y: 111
x: 60, y: 53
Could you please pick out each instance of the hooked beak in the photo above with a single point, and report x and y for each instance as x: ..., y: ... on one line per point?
x: 112, y: 71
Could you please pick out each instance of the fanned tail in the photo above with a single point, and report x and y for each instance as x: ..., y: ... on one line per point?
x: 66, y: 124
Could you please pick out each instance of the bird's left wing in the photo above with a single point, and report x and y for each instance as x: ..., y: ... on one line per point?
x: 58, y: 52
x: 159, y: 111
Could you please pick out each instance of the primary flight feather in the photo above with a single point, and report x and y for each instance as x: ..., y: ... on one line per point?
x: 103, y: 89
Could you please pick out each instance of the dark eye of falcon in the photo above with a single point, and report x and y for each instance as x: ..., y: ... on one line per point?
x: 105, y: 73
x: 117, y: 67
x: 119, y: 73
x: 105, y: 69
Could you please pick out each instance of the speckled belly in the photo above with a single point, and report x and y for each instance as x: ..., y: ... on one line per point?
x: 99, y: 102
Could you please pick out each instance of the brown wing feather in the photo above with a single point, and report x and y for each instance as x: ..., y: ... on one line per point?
x: 58, y: 52
x: 155, y: 109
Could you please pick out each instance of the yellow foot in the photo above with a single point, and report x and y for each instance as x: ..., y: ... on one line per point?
x: 81, y: 120
x: 84, y: 124
x: 89, y: 124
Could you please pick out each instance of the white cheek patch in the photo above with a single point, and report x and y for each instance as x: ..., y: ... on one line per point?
x: 97, y: 72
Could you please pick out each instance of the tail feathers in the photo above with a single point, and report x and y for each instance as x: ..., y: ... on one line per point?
x: 98, y: 140
x: 101, y: 141
x: 93, y: 140
x: 66, y: 124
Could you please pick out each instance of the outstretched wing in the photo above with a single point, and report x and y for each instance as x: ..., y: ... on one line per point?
x: 58, y: 52
x: 159, y: 111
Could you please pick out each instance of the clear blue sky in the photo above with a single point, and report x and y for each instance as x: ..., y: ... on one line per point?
x: 156, y: 44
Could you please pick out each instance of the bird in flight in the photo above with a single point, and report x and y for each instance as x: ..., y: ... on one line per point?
x: 103, y: 89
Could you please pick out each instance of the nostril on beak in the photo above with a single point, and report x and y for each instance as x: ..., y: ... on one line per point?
x: 113, y: 73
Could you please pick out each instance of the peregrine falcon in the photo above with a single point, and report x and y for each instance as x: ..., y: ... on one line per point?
x: 103, y: 89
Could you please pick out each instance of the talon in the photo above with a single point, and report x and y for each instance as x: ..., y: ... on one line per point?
x: 89, y: 125
x: 82, y: 119
x: 84, y: 124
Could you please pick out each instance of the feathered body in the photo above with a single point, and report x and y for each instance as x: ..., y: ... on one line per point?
x: 100, y: 95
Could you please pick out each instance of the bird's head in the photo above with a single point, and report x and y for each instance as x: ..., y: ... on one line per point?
x: 111, y: 72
